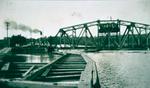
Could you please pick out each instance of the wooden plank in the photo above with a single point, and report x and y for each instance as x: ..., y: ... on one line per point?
x: 63, y: 76
x: 41, y: 69
x: 46, y: 72
x: 71, y: 63
x: 67, y: 69
x: 62, y: 73
x: 28, y: 63
x: 5, y: 67
x: 33, y: 84
x: 19, y: 70
x: 27, y: 72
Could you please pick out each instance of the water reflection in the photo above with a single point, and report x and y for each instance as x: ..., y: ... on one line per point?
x: 13, y: 58
x: 30, y: 58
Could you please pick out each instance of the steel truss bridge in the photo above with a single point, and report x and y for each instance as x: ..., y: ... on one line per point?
x: 105, y: 34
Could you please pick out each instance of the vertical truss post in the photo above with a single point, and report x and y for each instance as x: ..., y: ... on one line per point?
x: 73, y: 38
x: 119, y: 35
x: 86, y: 36
x: 98, y: 36
x: 128, y: 34
x: 132, y: 35
x: 117, y: 38
x: 62, y: 38
x: 140, y: 39
x: 109, y: 45
x: 147, y: 38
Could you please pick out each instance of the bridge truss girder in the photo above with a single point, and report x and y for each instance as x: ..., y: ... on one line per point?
x: 127, y: 34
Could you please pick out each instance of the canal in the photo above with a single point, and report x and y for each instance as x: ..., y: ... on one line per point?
x: 116, y: 69
x: 123, y: 69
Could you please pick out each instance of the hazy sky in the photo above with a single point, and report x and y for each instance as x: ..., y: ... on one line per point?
x: 50, y: 15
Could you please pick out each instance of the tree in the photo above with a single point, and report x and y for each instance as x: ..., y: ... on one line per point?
x: 17, y: 41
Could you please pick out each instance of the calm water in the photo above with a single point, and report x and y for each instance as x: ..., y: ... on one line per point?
x: 123, y: 69
x: 42, y: 58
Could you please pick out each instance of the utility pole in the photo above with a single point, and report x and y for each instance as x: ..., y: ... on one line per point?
x: 7, y: 28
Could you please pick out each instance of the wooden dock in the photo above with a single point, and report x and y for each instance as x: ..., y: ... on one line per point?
x: 69, y: 71
x: 18, y: 69
x: 4, y: 52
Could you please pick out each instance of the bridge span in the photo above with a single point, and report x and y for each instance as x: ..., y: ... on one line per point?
x: 104, y: 34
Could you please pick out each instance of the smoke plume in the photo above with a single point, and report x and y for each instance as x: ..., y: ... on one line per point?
x: 37, y: 31
x: 15, y: 26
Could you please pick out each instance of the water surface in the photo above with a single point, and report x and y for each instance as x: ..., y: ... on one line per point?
x: 123, y: 69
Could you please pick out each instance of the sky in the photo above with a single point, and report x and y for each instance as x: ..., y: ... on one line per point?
x: 51, y: 15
